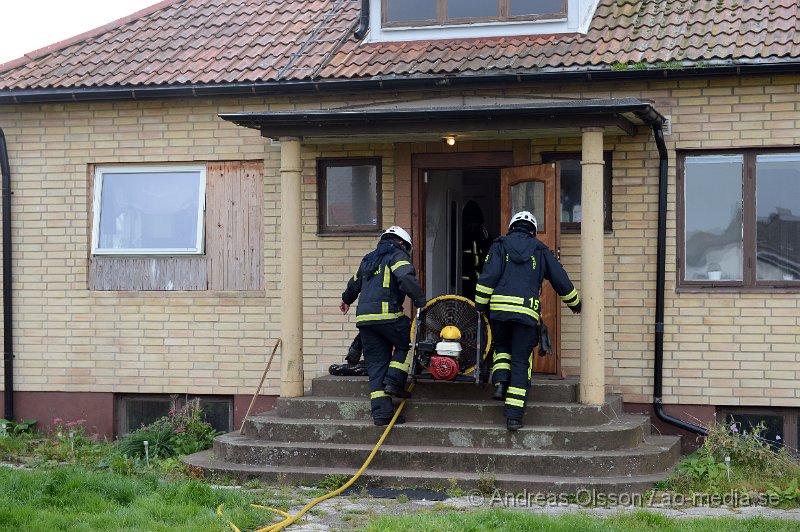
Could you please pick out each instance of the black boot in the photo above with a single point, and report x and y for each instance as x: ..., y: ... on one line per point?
x: 383, y: 421
x: 513, y: 424
x: 500, y: 390
x: 396, y: 391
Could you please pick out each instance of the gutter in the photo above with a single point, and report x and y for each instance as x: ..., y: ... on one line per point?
x: 363, y: 21
x: 661, y: 267
x: 8, y: 333
x: 139, y: 92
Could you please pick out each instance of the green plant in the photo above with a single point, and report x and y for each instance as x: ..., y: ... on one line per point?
x: 487, y: 480
x: 333, y: 482
x: 790, y: 493
x: 703, y: 470
x: 179, y: 433
x: 16, y: 428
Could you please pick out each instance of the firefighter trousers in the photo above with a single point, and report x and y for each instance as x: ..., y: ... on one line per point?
x: 383, y: 366
x: 513, y: 363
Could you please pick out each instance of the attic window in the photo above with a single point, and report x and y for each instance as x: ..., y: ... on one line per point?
x: 397, y: 13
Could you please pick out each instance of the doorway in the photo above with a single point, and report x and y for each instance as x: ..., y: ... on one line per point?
x: 462, y: 217
x: 447, y: 190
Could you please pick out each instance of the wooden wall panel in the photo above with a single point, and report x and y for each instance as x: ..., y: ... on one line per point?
x: 147, y: 273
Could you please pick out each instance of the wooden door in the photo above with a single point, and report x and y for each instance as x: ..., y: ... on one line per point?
x: 535, y: 188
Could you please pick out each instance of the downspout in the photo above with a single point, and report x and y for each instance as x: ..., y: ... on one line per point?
x: 661, y: 267
x: 8, y: 336
x: 363, y: 22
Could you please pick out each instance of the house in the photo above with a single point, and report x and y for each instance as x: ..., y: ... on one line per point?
x: 192, y: 182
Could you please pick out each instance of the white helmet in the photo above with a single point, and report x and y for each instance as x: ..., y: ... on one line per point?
x: 523, y: 216
x: 399, y: 232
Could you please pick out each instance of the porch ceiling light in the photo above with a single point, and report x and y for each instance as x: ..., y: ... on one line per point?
x: 450, y: 140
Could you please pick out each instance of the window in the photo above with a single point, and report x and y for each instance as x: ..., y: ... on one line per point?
x: 739, y: 219
x: 134, y: 411
x: 780, y: 425
x: 429, y: 12
x: 570, y: 183
x: 148, y: 210
x: 349, y: 192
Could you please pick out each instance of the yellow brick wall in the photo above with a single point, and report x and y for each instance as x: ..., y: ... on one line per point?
x: 719, y: 349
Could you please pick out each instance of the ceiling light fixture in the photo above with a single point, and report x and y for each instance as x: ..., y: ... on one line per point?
x: 450, y: 140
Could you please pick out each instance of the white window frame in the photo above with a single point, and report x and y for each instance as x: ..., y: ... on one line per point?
x: 138, y: 169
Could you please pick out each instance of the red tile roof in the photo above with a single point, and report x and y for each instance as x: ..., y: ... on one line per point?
x: 230, y: 41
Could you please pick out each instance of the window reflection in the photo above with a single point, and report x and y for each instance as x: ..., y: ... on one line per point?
x: 778, y: 217
x: 529, y: 196
x: 713, y: 218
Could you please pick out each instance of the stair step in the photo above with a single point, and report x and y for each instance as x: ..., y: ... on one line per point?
x: 532, y: 485
x: 622, y: 433
x: 542, y: 390
x: 453, y: 411
x: 656, y: 455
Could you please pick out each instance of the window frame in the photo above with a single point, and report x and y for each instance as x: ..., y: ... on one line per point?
x: 749, y: 281
x: 99, y: 172
x: 608, y: 156
x: 442, y: 20
x: 176, y: 401
x: 323, y: 163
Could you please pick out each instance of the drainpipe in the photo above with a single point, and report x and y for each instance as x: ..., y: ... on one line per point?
x: 8, y: 336
x: 363, y: 21
x: 661, y: 267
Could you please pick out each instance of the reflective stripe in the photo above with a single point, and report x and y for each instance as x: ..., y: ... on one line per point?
x: 355, y: 276
x: 508, y: 299
x: 376, y: 317
x: 530, y: 366
x: 484, y: 289
x: 400, y: 263
x: 481, y: 300
x: 399, y: 365
x: 501, y: 365
x: 501, y: 356
x: 570, y: 295
x: 385, y: 307
x: 573, y: 303
x: 386, y: 277
x: 517, y: 391
x: 379, y: 393
x: 514, y: 308
x: 515, y: 402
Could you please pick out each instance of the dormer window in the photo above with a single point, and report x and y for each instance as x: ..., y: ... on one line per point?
x: 411, y: 13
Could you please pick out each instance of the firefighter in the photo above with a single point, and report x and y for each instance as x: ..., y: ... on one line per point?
x: 475, y: 246
x: 381, y: 283
x: 509, y: 288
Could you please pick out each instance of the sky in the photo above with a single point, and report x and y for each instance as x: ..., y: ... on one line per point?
x: 26, y: 25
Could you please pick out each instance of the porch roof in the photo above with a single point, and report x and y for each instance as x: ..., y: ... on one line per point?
x: 464, y: 116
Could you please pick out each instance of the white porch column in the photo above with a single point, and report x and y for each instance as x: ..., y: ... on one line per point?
x: 291, y: 269
x: 592, y: 384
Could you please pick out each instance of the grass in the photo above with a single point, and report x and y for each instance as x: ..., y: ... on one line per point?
x: 74, y: 498
x: 510, y: 520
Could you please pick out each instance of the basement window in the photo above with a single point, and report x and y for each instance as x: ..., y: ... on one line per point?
x: 137, y: 410
x: 349, y: 193
x: 781, y: 428
x: 148, y: 210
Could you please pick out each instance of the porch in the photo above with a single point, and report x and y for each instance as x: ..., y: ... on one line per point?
x: 518, y: 120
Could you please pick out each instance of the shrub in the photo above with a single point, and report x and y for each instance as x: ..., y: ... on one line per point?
x: 179, y: 433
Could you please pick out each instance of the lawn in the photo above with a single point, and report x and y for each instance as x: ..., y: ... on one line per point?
x: 517, y: 521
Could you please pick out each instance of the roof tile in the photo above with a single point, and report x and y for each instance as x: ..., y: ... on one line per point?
x: 227, y: 41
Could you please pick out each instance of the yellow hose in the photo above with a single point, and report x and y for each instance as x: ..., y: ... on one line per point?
x: 290, y: 519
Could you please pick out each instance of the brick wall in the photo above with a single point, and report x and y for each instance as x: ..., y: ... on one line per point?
x: 719, y: 349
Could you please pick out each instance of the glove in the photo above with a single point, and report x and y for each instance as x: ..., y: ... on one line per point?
x: 576, y: 309
x: 481, y: 307
x: 420, y: 303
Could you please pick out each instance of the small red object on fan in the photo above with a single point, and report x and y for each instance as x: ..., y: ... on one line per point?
x: 443, y: 368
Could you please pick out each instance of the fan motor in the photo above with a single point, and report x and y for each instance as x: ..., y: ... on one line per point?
x: 443, y: 368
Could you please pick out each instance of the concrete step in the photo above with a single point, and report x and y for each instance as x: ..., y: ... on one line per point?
x: 529, y: 485
x: 465, y: 412
x: 624, y: 432
x: 542, y: 389
x: 656, y: 455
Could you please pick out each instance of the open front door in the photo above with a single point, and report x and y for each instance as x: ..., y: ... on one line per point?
x: 535, y: 189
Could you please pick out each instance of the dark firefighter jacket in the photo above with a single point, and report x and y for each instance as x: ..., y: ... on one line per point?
x: 381, y: 283
x: 512, y: 278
